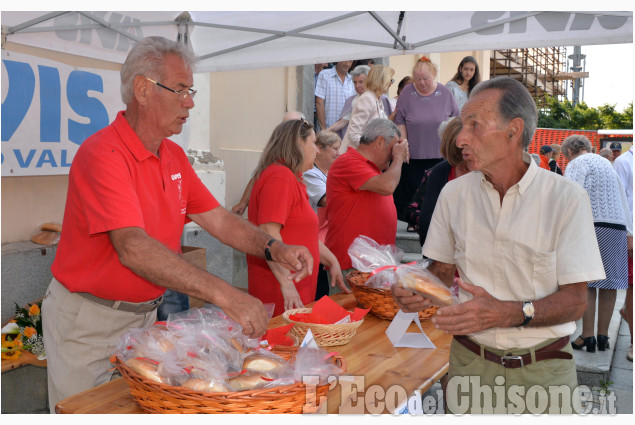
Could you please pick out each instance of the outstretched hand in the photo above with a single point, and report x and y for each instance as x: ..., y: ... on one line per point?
x: 248, y: 312
x: 482, y: 312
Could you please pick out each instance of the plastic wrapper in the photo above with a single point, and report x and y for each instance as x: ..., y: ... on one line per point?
x: 417, y: 278
x: 379, y: 260
x: 314, y: 362
x: 204, y: 350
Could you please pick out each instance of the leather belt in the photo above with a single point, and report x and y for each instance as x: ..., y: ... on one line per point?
x: 551, y: 351
x: 137, y: 308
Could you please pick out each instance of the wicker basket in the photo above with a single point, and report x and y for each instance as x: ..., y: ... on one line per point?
x: 380, y: 301
x: 325, y: 335
x: 153, y: 397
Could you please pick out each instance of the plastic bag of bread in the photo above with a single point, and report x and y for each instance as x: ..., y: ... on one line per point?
x: 315, y: 362
x: 367, y: 255
x: 262, y: 369
x: 379, y: 260
x: 415, y: 277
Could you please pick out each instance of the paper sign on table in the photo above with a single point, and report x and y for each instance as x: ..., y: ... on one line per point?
x: 309, y: 340
x: 398, y: 335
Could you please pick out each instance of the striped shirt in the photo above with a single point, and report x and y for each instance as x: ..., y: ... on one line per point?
x: 329, y: 87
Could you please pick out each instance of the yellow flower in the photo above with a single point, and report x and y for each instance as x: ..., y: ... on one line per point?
x: 34, y: 310
x: 11, y: 349
x: 29, y: 331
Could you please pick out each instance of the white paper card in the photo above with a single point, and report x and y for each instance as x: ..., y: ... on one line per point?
x: 398, y: 335
x: 309, y: 340
x: 343, y: 320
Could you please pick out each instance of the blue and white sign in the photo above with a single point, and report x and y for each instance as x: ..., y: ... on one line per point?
x: 49, y: 109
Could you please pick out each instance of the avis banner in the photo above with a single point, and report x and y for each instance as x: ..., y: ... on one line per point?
x: 49, y: 109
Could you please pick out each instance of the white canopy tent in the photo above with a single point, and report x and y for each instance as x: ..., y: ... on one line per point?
x: 243, y: 40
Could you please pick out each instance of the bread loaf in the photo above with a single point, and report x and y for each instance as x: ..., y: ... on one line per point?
x: 426, y: 287
x: 262, y: 363
x: 53, y: 227
x: 45, y: 237
x: 145, y: 367
x: 206, y: 385
x: 247, y: 381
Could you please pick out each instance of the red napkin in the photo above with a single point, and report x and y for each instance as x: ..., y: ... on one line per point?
x: 278, y: 336
x: 326, y: 311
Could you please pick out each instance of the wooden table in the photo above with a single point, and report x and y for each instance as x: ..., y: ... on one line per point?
x: 376, y: 369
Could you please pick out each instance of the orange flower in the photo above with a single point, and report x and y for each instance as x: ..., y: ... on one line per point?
x: 29, y: 331
x: 34, y: 310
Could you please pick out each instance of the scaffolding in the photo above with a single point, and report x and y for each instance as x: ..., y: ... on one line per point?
x: 542, y: 70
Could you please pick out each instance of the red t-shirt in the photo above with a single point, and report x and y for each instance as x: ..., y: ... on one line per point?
x: 278, y: 197
x: 352, y: 212
x: 115, y: 182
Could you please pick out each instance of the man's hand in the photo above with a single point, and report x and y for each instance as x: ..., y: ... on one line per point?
x: 401, y: 151
x: 482, y: 312
x: 408, y: 301
x: 298, y: 259
x: 247, y: 311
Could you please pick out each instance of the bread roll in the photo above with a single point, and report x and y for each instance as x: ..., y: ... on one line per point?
x: 53, y: 227
x: 146, y: 368
x: 247, y: 381
x: 261, y: 363
x: 45, y: 237
x: 429, y: 289
x: 206, y: 385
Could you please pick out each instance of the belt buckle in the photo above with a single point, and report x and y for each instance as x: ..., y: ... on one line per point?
x: 149, y: 306
x: 504, y: 358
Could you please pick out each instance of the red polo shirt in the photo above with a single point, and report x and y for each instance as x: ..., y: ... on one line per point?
x: 115, y: 182
x: 278, y: 197
x: 352, y: 212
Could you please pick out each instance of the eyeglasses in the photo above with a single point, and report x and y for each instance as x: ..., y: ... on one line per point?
x: 181, y: 94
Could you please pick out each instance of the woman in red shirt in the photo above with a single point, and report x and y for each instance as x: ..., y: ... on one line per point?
x: 280, y: 205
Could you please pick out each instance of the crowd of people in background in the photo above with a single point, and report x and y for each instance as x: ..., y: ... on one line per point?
x: 350, y: 95
x: 495, y: 226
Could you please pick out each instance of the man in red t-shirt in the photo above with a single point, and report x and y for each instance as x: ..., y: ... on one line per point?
x: 359, y: 190
x: 131, y: 191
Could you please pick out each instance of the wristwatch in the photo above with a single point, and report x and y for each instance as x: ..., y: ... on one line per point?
x: 268, y: 250
x: 528, y: 312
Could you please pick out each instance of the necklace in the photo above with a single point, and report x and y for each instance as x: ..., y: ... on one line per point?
x: 315, y: 165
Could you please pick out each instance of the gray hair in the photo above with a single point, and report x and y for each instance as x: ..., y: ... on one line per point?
x: 515, y: 102
x: 574, y: 144
x: 379, y: 127
x: 360, y: 70
x: 146, y: 58
x: 606, y: 153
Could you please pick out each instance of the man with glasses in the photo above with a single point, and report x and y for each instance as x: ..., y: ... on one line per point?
x: 131, y: 191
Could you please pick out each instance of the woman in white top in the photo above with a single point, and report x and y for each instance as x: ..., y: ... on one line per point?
x: 359, y: 74
x: 611, y: 218
x: 369, y: 105
x: 466, y: 77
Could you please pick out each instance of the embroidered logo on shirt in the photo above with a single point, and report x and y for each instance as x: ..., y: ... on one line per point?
x: 179, y: 186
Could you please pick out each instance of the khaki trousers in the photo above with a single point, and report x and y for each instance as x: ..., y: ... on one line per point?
x: 79, y: 338
x: 478, y: 385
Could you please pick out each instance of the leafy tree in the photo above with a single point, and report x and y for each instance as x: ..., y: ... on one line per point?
x: 556, y: 114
